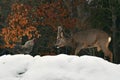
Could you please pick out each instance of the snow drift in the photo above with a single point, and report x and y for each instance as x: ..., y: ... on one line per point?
x: 60, y: 67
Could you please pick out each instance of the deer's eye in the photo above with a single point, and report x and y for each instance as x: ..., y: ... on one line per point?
x: 58, y: 41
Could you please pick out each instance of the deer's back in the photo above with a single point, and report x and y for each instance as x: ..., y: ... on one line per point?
x: 89, y: 36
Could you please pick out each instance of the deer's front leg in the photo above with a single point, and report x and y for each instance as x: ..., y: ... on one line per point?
x: 77, y: 50
x: 79, y: 47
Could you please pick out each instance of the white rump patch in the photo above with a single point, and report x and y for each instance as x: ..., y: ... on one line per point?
x: 109, y: 39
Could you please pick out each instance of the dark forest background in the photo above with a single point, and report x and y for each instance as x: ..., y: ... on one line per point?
x: 21, y: 20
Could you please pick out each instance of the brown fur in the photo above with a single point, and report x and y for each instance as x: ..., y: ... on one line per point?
x: 85, y: 39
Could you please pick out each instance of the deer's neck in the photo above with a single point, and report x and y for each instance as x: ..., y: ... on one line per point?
x: 70, y: 42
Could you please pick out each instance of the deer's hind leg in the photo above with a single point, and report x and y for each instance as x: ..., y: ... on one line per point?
x: 107, y: 53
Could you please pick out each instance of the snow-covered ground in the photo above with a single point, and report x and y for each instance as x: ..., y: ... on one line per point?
x: 60, y: 67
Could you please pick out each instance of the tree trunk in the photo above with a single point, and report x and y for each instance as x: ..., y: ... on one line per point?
x: 114, y: 37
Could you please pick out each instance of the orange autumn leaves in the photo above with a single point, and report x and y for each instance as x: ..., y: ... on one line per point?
x: 24, y: 19
x: 54, y: 14
x: 19, y: 25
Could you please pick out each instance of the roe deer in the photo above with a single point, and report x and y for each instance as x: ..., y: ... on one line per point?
x: 86, y: 39
x: 26, y: 48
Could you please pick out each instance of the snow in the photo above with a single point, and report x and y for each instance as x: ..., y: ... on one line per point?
x: 60, y: 67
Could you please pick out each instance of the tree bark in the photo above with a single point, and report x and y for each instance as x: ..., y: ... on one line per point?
x: 114, y: 36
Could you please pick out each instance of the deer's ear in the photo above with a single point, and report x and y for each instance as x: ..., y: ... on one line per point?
x: 60, y: 32
x: 61, y: 35
x: 59, y: 29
